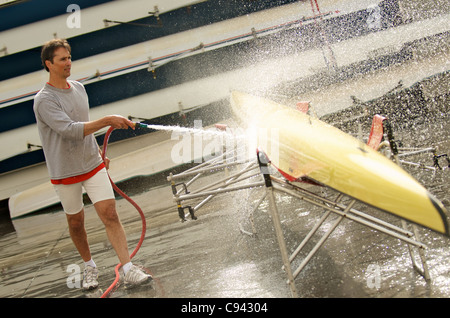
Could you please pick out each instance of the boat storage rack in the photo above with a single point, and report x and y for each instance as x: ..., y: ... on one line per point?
x: 260, y: 170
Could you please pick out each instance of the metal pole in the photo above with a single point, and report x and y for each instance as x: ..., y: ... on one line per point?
x: 231, y: 180
x: 206, y: 193
x: 323, y: 239
x: 281, y: 241
x: 361, y: 218
x: 263, y: 162
x: 312, y: 232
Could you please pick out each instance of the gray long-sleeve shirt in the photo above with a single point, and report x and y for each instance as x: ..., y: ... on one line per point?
x: 60, y: 116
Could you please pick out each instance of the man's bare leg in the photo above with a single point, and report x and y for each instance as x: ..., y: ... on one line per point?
x: 106, y: 210
x: 78, y: 234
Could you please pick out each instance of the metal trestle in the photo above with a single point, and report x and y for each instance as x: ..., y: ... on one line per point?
x: 240, y: 180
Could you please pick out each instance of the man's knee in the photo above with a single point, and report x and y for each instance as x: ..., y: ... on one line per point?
x: 107, y: 211
x: 76, y: 221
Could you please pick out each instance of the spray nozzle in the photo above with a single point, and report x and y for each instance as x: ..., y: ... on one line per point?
x: 139, y: 125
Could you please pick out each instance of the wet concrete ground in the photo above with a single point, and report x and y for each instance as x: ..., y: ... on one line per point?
x: 211, y: 258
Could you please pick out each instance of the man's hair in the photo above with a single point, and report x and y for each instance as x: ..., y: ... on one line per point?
x: 48, y: 50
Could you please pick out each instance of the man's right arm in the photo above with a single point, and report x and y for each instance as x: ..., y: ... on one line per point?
x: 115, y: 121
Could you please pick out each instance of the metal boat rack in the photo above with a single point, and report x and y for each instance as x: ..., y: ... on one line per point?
x: 226, y: 184
x: 259, y: 170
x: 400, y: 154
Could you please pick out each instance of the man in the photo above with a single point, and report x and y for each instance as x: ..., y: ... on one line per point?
x: 74, y: 159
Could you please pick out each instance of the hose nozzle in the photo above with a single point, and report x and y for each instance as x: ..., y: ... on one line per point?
x: 139, y: 125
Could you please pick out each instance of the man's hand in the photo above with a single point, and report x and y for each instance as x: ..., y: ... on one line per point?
x: 115, y: 121
x: 106, y: 162
x: 120, y: 122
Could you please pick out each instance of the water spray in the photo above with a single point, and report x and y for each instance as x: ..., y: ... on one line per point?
x: 220, y: 132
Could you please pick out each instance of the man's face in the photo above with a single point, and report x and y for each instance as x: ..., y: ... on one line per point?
x: 62, y: 62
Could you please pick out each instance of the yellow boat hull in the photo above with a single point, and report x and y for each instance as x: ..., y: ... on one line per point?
x: 308, y: 147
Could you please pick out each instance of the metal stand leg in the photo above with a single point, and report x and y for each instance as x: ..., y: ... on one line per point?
x: 281, y: 241
x: 322, y: 239
x: 263, y: 165
x: 422, y: 270
x: 312, y: 232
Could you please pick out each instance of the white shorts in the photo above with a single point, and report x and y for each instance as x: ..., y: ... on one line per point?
x: 98, y: 188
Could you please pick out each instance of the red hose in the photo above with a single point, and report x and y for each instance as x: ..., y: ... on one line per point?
x: 144, y: 225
